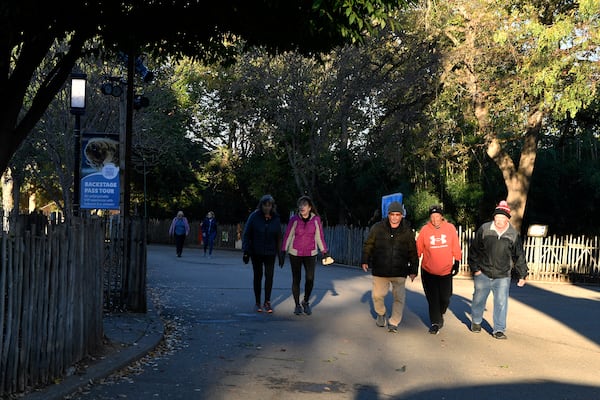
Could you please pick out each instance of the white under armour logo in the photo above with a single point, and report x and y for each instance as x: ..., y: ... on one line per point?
x: 433, y: 240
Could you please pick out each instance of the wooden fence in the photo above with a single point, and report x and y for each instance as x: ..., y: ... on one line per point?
x: 563, y: 259
x: 50, y: 303
x: 54, y: 289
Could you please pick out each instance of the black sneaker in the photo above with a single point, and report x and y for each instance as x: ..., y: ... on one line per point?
x: 380, y: 322
x: 500, y: 335
x: 258, y: 308
x: 298, y: 310
x: 306, y: 308
x: 475, y: 327
x: 392, y: 328
x: 435, y: 329
x: 267, y: 307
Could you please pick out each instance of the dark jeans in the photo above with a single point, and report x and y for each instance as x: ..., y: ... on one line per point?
x: 438, y: 290
x: 296, y: 263
x: 209, y: 242
x: 258, y: 261
x: 179, y: 239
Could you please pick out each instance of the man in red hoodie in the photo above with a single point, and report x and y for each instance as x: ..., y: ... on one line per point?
x: 439, y: 245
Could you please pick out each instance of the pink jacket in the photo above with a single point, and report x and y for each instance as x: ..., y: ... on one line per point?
x: 304, y: 238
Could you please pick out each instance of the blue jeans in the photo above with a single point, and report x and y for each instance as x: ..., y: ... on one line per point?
x: 499, y: 288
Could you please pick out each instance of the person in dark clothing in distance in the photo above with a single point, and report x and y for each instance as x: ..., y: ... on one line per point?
x: 209, y: 232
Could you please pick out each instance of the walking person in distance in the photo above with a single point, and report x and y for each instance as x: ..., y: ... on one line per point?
x: 179, y: 229
x: 439, y: 245
x: 261, y: 241
x: 390, y: 251
x: 209, y: 232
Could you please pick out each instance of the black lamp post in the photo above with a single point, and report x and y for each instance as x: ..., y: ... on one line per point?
x: 78, y: 83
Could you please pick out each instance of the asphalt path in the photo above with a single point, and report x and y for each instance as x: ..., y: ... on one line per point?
x: 219, y: 348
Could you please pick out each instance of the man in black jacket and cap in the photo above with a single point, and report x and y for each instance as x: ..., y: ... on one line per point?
x: 391, y: 252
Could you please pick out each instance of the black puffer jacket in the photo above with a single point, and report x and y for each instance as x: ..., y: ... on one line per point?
x: 391, y: 252
x: 495, y: 256
x: 262, y: 236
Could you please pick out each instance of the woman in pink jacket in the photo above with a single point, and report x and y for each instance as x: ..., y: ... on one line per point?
x: 302, y: 240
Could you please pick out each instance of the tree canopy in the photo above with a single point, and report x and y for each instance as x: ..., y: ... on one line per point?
x: 54, y: 35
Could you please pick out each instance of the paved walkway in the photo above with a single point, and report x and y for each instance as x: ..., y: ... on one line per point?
x: 229, y: 352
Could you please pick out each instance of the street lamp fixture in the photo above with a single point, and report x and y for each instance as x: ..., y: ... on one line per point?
x: 78, y: 85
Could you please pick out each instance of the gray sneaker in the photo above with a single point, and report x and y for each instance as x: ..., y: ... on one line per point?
x: 500, y: 335
x: 380, y: 322
x: 475, y: 327
x: 298, y: 310
x: 306, y: 308
x: 392, y: 328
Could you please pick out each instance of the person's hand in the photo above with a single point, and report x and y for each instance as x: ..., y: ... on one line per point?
x: 521, y: 282
x: 412, y: 277
x: 327, y: 259
x: 365, y: 267
x: 246, y: 258
x: 455, y: 267
x: 281, y: 259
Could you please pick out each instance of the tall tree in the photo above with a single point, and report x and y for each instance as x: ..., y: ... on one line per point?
x: 513, y: 66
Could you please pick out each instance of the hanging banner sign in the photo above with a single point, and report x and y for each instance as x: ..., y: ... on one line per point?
x: 100, y: 183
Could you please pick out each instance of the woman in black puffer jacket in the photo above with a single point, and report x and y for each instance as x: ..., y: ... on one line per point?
x: 260, y: 242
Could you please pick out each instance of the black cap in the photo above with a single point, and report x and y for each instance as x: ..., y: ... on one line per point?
x: 435, y: 209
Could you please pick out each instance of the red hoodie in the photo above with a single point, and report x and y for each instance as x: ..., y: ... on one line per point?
x: 439, y: 247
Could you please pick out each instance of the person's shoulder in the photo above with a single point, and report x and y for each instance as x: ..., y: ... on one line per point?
x: 486, y: 225
x: 379, y: 225
x: 449, y: 224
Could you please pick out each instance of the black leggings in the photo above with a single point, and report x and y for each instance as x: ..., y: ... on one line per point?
x: 296, y: 263
x: 257, y: 265
x: 179, y: 240
x: 438, y: 290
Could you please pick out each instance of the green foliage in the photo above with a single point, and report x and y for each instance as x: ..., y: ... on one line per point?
x: 465, y: 196
x: 419, y: 203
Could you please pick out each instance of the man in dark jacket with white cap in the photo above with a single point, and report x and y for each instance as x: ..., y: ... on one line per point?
x: 496, y: 248
x: 391, y: 252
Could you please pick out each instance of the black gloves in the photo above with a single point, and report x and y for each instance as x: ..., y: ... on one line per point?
x: 281, y: 259
x: 246, y: 258
x: 455, y: 267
